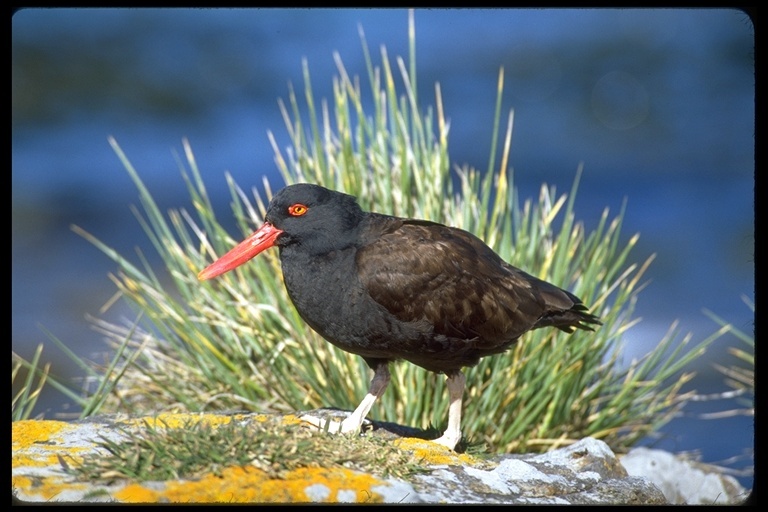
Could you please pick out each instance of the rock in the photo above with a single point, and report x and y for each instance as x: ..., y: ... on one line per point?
x: 587, y: 472
x: 684, y: 481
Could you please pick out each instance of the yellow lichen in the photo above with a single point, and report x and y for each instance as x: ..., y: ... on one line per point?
x: 176, y: 420
x: 45, y: 488
x: 20, y: 482
x: 181, y: 420
x: 36, y: 460
x: 251, y: 485
x: 288, y: 419
x: 27, y: 432
x: 136, y: 493
x: 433, y: 453
x: 53, y: 487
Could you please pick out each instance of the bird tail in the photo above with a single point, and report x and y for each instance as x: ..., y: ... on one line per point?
x: 577, y: 317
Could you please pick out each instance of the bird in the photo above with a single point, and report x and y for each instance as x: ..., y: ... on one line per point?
x: 388, y: 288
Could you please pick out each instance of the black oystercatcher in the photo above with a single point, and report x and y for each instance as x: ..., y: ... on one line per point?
x: 388, y: 288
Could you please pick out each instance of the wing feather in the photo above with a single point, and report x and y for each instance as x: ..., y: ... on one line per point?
x: 421, y: 271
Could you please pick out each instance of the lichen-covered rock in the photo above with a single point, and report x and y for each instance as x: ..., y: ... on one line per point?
x: 684, y: 481
x: 587, y: 472
x: 43, y: 452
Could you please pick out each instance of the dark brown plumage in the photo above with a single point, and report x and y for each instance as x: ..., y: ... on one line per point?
x: 388, y: 288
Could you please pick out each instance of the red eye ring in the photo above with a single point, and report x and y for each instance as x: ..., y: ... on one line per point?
x: 297, y: 210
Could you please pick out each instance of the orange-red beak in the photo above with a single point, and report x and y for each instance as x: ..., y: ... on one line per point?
x: 262, y: 239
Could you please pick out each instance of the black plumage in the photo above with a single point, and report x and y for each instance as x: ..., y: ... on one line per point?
x: 388, y: 288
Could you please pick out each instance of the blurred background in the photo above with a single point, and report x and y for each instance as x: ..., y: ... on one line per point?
x: 657, y: 104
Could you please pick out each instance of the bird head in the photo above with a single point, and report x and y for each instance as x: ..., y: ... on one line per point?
x: 310, y: 216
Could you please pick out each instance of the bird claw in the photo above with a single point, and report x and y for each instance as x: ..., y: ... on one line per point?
x: 449, y: 440
x: 332, y: 426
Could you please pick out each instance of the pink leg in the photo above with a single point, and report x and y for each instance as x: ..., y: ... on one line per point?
x: 354, y: 421
x: 452, y: 434
x: 375, y: 390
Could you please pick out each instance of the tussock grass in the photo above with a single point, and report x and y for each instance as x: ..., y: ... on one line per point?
x: 161, y: 452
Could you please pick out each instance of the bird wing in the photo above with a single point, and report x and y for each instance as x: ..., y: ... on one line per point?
x: 421, y: 271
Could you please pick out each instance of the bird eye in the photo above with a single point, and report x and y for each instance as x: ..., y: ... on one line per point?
x: 297, y: 210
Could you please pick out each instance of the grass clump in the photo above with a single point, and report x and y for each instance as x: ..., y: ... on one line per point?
x: 740, y: 377
x: 159, y: 452
x: 239, y: 343
x: 25, y: 399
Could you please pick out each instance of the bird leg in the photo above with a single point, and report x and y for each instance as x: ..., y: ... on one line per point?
x: 354, y: 421
x: 452, y: 435
x: 375, y: 390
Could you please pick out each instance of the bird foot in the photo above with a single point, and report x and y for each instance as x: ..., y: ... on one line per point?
x: 333, y: 426
x: 449, y: 439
